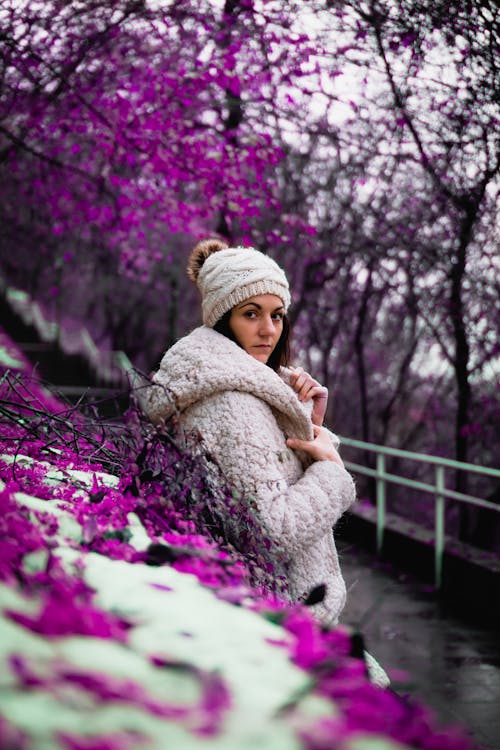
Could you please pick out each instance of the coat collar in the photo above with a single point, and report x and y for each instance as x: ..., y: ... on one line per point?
x: 205, y: 363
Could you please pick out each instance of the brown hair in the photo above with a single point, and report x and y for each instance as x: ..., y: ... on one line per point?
x: 280, y: 355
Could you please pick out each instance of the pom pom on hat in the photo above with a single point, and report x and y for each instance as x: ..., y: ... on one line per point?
x: 227, y: 276
x: 200, y: 253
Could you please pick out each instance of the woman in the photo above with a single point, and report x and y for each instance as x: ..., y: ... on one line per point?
x: 261, y: 422
x: 236, y: 403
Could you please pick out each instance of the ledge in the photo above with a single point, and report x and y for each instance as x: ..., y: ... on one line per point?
x: 470, y: 577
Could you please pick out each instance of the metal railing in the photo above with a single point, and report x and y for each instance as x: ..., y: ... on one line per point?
x: 438, y: 489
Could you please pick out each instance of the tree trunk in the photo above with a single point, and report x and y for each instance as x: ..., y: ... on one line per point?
x: 461, y: 364
x: 360, y: 356
x: 361, y: 375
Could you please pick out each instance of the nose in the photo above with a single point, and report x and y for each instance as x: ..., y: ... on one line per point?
x: 266, y: 325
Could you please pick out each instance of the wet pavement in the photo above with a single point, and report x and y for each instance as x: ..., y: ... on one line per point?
x: 450, y: 665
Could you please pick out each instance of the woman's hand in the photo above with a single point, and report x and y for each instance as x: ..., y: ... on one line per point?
x: 320, y: 448
x: 307, y: 388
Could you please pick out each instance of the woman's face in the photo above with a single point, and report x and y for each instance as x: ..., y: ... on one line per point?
x: 257, y: 324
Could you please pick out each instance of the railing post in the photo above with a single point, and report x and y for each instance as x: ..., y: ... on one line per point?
x: 439, y: 527
x: 380, y: 501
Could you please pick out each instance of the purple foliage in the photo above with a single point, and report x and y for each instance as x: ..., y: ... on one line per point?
x: 204, y: 716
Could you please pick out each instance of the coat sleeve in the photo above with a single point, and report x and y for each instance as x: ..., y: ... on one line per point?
x: 154, y: 402
x: 155, y: 398
x: 241, y: 433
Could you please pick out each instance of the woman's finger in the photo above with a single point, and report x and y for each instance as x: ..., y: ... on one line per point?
x: 298, y: 445
x: 304, y: 392
x: 300, y: 380
x: 316, y: 391
x: 296, y: 371
x: 313, y: 391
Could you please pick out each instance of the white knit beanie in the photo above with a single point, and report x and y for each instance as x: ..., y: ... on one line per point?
x: 232, y: 275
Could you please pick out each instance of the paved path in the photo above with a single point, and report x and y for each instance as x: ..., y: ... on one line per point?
x: 450, y: 665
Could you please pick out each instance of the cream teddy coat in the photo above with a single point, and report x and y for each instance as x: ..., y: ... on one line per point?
x: 244, y: 411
